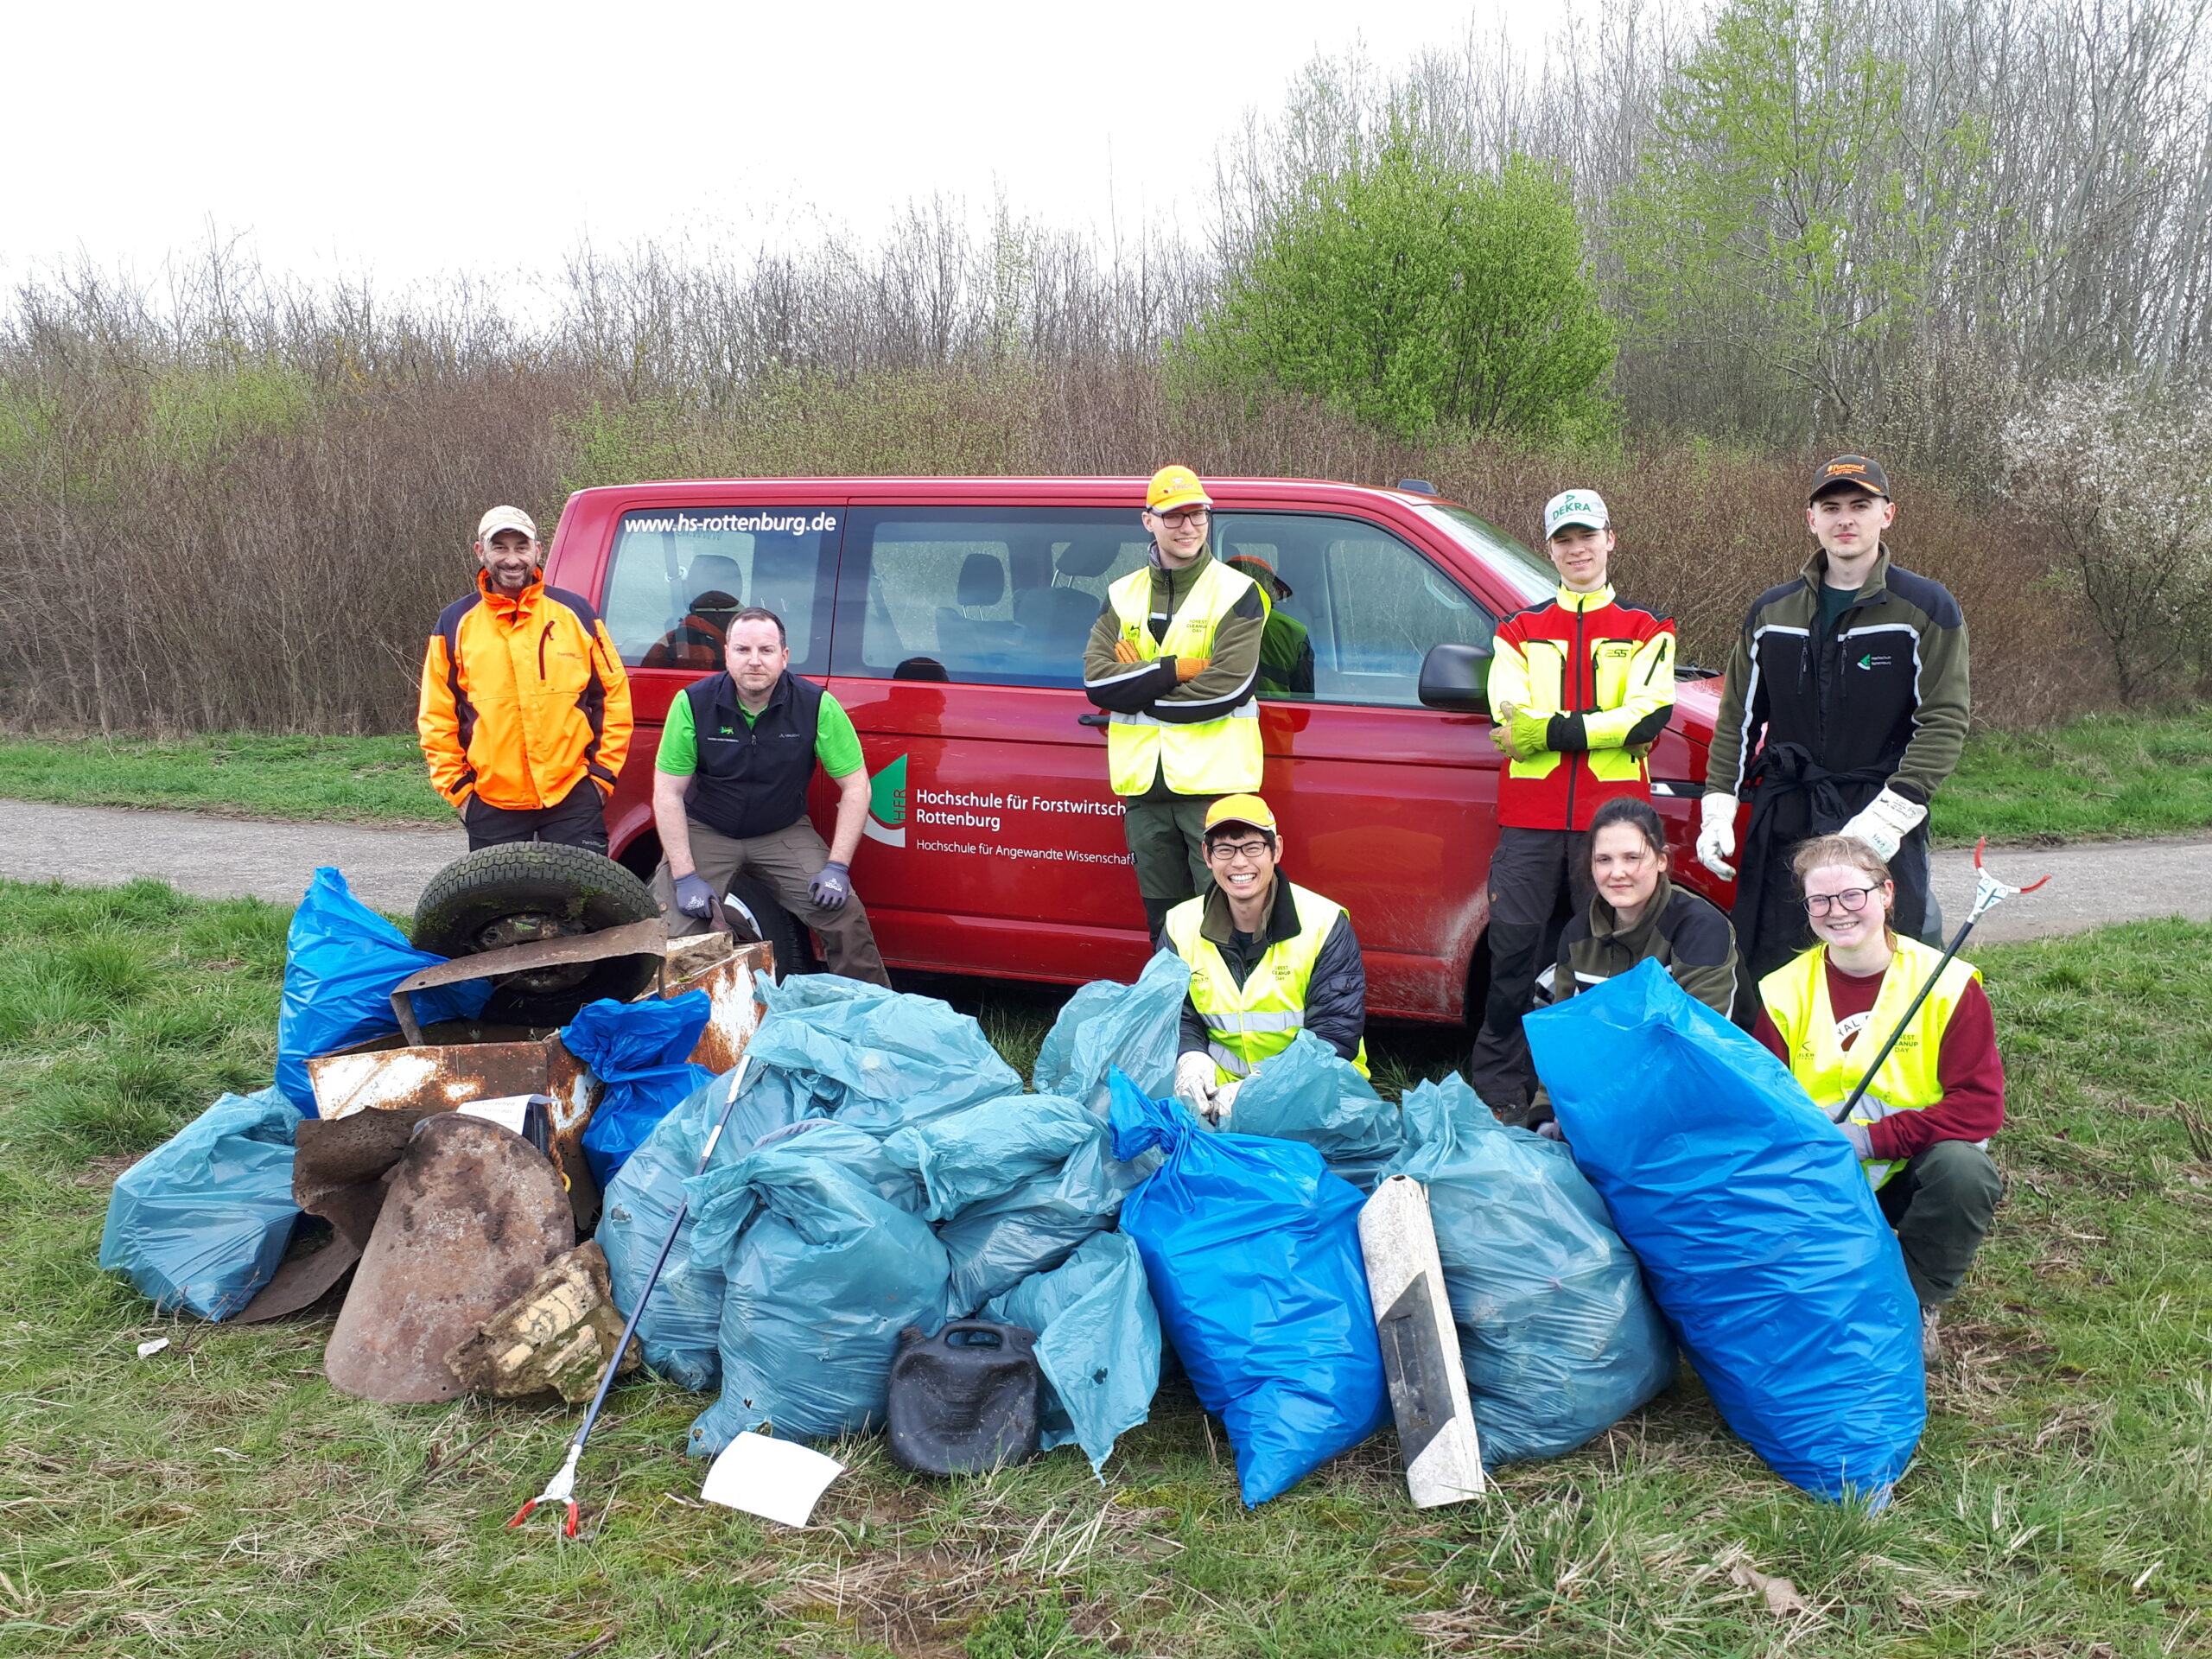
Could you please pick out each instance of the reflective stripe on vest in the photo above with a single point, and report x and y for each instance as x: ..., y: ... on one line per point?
x: 1250, y: 1023
x: 1796, y: 999
x: 1210, y: 756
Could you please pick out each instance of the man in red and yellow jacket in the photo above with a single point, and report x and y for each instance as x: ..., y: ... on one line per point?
x: 1579, y: 687
x: 525, y: 708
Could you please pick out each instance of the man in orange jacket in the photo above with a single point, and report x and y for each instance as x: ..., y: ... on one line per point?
x: 525, y: 708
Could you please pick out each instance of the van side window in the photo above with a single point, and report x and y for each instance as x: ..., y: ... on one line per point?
x: 679, y: 573
x: 1354, y: 608
x: 978, y: 595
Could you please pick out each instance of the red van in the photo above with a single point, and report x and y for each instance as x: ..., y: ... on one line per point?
x: 948, y: 616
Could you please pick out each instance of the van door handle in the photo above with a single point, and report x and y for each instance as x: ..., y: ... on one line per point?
x: 1100, y: 720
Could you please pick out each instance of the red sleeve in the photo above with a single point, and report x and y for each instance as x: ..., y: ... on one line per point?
x: 1973, y: 1107
x: 1765, y: 1032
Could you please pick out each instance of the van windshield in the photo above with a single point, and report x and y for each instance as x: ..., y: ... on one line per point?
x: 1530, y: 572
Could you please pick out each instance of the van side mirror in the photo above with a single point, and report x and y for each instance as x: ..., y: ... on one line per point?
x: 1456, y: 679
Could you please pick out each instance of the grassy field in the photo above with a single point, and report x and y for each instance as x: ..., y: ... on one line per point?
x: 2099, y: 778
x: 219, y: 1499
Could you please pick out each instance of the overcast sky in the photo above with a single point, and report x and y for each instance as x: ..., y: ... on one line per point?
x: 406, y: 138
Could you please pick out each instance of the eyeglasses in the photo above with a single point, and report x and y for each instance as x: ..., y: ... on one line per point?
x: 1853, y: 900
x: 1220, y: 852
x: 1185, y: 516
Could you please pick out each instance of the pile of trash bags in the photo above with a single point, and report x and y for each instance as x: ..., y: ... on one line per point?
x: 880, y: 1168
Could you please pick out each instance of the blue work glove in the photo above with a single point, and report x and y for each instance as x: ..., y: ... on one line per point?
x: 694, y: 896
x: 830, y: 888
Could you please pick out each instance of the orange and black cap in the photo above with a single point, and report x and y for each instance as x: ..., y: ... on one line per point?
x: 1849, y: 472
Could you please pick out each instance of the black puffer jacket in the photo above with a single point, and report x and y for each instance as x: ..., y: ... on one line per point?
x: 1336, y: 995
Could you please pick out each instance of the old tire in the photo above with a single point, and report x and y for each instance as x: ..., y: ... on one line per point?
x: 531, y: 890
x: 753, y: 913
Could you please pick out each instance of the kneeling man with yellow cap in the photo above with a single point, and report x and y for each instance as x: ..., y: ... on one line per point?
x: 1268, y: 960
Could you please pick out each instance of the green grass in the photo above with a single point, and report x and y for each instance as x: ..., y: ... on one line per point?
x: 219, y: 1499
x: 236, y: 774
x: 2104, y: 778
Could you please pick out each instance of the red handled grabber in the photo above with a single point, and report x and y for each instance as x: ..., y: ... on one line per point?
x: 562, y: 1489
x: 1988, y: 893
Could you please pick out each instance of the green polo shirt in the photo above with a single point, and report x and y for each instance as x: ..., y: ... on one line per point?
x: 837, y: 745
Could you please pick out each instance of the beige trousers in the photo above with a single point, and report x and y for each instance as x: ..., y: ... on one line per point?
x: 785, y: 861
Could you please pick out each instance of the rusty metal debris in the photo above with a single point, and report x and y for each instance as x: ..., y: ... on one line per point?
x: 531, y: 959
x: 556, y: 1336
x: 474, y: 1214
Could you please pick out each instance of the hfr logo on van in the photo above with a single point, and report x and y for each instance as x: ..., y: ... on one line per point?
x: 887, y: 805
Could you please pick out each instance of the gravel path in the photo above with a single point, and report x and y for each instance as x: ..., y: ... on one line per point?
x: 2097, y: 882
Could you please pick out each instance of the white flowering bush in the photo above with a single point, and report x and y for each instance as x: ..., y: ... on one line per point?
x: 2119, y: 470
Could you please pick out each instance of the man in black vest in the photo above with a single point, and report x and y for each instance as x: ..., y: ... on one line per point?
x: 729, y: 795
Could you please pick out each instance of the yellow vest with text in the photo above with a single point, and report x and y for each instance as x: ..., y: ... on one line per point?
x: 1210, y: 756
x: 1796, y: 999
x: 1251, y: 1022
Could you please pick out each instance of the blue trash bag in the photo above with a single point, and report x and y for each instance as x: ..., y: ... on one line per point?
x: 1251, y: 1248
x: 681, y: 1321
x: 1311, y: 1093
x: 640, y: 1052
x: 872, y: 1058
x: 1098, y: 1344
x: 341, y: 960
x: 1015, y: 1186
x: 201, y: 1222
x: 822, y: 1272
x: 1757, y: 1229
x: 1107, y: 1026
x: 1560, y: 1338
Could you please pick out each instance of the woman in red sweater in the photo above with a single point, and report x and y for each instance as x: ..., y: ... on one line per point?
x: 1922, y: 1127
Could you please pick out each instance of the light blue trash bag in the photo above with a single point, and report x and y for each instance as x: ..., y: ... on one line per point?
x: 1559, y: 1337
x: 876, y: 1059
x: 1758, y: 1235
x: 1013, y: 1186
x: 1311, y: 1093
x: 1098, y: 1344
x: 681, y: 1321
x: 821, y: 1272
x: 202, y: 1221
x: 1107, y: 1026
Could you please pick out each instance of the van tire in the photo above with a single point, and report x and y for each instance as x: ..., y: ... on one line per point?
x: 768, y: 920
x: 500, y: 895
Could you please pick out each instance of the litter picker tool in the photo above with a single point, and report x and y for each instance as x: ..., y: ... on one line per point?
x: 562, y: 1489
x: 1988, y: 893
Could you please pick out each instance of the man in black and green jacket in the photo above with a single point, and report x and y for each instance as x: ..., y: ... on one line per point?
x: 1844, y: 711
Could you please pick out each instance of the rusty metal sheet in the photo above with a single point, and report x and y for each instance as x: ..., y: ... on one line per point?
x: 472, y: 1216
x: 647, y: 939
x: 733, y: 986
x: 337, y: 1175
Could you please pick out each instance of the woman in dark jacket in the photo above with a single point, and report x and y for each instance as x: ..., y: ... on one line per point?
x: 1637, y: 913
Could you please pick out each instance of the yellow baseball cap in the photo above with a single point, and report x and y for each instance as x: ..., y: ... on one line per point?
x: 1175, y: 486
x: 1240, y: 809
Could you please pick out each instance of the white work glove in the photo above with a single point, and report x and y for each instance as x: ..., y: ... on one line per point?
x: 1716, y: 836
x: 1884, y: 823
x: 1223, y: 1098
x: 1550, y: 1130
x: 1194, y: 1082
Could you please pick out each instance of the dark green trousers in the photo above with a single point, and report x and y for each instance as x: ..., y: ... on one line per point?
x: 1940, y: 1204
x: 1168, y: 843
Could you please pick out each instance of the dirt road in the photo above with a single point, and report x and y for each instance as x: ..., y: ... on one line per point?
x: 2098, y: 883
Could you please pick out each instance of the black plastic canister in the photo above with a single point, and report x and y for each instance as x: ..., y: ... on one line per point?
x: 965, y: 1400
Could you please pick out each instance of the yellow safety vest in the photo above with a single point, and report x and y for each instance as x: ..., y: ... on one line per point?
x: 1248, y: 1023
x: 1210, y: 757
x: 1796, y: 999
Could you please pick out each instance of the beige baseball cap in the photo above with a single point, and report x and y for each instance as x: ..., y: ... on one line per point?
x: 501, y: 518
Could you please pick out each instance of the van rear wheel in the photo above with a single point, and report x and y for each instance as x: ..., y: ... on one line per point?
x: 754, y: 913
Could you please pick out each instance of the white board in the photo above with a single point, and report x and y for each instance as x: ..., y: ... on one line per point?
x: 1421, y: 1346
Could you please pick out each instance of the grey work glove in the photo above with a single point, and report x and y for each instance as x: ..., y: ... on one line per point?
x: 1861, y: 1141
x: 831, y: 887
x: 694, y: 896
